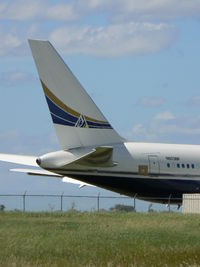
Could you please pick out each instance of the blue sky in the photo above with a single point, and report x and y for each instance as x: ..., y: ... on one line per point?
x: 139, y: 60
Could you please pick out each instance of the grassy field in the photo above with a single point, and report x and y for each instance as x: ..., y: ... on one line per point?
x: 99, y: 239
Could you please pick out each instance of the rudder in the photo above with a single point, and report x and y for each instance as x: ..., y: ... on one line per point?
x: 77, y: 119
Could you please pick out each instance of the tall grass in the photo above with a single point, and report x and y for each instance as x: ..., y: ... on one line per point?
x: 99, y: 239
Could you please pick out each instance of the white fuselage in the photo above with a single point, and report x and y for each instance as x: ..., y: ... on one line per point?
x: 169, y: 159
x: 146, y: 169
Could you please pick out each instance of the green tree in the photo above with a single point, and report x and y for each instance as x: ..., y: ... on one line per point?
x: 2, y: 207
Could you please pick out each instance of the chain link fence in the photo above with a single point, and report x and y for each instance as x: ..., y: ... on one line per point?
x: 62, y: 202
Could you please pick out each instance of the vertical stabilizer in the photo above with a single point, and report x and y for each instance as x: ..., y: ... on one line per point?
x: 77, y: 119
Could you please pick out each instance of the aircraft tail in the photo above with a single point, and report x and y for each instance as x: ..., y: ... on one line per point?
x: 77, y: 120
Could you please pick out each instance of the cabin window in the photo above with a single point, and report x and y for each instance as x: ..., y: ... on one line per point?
x: 192, y: 166
x: 188, y: 166
x: 168, y: 165
x: 183, y: 166
x: 178, y: 165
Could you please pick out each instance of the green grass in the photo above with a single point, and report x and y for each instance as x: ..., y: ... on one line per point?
x: 99, y: 239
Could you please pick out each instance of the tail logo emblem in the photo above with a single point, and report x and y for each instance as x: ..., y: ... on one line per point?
x: 81, y: 122
x: 64, y: 115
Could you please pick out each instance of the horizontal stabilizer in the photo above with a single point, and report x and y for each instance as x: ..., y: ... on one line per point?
x: 99, y: 157
x: 73, y: 181
x: 18, y: 159
x: 37, y: 172
x: 51, y: 174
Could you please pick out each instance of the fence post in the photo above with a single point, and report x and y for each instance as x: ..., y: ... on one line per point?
x: 98, y: 197
x: 61, y: 201
x: 169, y: 202
x: 135, y: 202
x: 24, y: 201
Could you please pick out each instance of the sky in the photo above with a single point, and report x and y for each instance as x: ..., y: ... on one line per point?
x: 139, y: 61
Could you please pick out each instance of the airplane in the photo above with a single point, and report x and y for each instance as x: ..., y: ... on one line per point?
x: 93, y: 153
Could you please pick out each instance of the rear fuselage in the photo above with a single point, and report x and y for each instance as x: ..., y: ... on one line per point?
x: 156, y: 172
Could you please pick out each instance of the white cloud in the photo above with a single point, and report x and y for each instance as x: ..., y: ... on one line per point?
x: 108, y: 41
x: 132, y: 26
x: 14, y: 38
x: 21, y: 10
x: 96, y: 4
x: 194, y: 101
x: 12, y: 78
x: 166, y: 127
x: 14, y: 141
x: 113, y: 40
x: 138, y: 128
x: 155, y: 9
x: 62, y: 12
x: 9, y: 42
x: 151, y: 101
x: 17, y: 76
x: 164, y: 116
x: 142, y: 10
x: 137, y: 10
